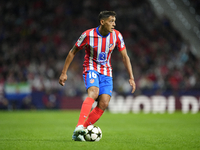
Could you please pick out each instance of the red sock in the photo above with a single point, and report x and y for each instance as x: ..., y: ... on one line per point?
x: 85, y: 110
x: 94, y: 115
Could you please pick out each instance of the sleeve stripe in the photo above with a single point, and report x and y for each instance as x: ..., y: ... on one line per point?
x: 81, y: 38
x: 122, y: 41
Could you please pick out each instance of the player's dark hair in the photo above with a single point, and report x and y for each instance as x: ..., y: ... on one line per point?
x: 106, y: 14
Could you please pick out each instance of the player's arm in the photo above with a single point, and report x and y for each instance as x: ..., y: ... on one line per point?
x: 68, y: 60
x: 127, y: 64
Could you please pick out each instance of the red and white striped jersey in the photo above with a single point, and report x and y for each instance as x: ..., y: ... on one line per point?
x: 98, y: 49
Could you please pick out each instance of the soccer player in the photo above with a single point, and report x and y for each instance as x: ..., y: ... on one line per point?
x: 99, y: 44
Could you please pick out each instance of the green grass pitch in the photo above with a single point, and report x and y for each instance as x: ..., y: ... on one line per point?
x: 52, y: 130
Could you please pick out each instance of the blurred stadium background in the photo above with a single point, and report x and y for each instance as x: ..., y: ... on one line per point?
x: 162, y: 39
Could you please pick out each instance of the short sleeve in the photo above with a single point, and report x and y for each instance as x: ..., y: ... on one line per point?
x: 120, y: 42
x: 81, y: 41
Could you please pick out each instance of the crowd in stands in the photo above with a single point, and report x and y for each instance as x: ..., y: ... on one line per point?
x: 36, y: 36
x: 196, y: 5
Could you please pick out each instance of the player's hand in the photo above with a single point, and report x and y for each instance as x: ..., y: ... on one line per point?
x: 132, y: 83
x: 62, y: 79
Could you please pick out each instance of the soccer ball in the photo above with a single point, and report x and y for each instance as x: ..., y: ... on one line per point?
x: 93, y: 133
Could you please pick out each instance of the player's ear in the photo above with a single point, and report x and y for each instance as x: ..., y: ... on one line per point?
x: 102, y: 21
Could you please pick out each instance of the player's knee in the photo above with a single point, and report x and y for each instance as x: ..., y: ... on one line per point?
x: 93, y: 93
x: 103, y: 104
x: 103, y: 101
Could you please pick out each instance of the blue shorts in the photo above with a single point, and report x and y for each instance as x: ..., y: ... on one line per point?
x: 103, y: 82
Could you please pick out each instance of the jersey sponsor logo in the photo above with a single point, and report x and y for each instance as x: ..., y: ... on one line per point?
x: 102, y: 58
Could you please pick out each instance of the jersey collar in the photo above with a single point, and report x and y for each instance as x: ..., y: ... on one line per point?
x: 97, y: 30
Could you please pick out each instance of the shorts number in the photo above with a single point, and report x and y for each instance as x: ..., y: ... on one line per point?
x: 92, y: 74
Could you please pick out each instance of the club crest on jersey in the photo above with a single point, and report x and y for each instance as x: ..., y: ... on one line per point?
x: 91, y: 80
x: 111, y: 47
